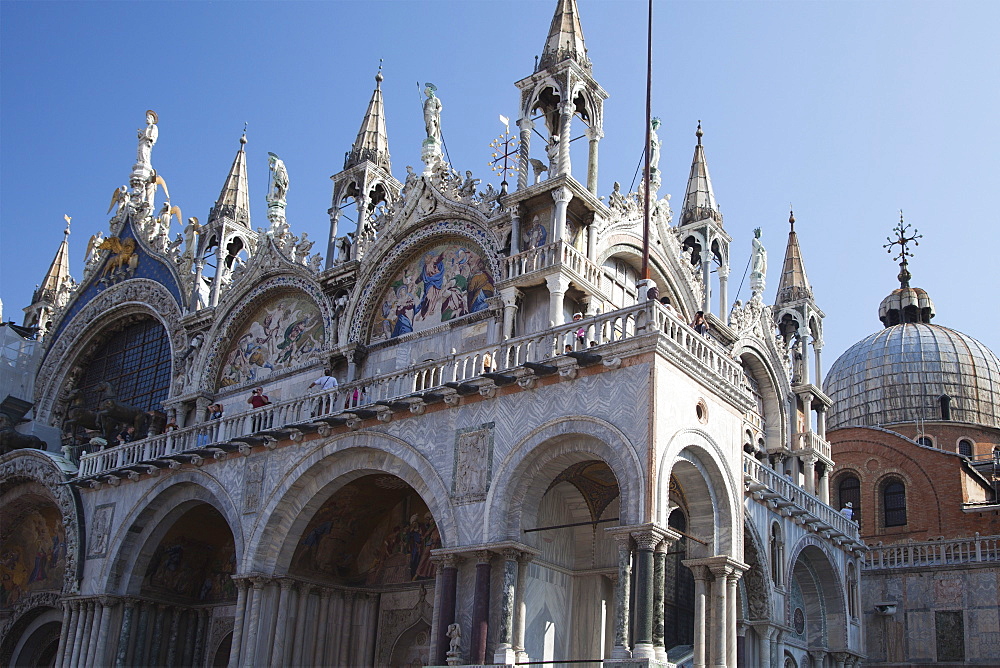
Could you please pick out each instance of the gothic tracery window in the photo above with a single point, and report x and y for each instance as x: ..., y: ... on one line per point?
x: 135, y: 360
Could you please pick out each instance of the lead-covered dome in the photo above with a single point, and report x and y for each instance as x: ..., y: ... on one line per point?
x: 900, y: 373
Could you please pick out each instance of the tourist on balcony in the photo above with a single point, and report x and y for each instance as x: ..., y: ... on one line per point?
x: 699, y: 324
x: 847, y: 511
x: 258, y: 398
x: 215, y: 412
x: 581, y: 333
x: 568, y: 350
x: 667, y: 305
x: 126, y: 435
x: 324, y: 382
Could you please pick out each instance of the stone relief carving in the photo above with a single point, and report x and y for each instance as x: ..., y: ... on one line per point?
x: 100, y: 530
x: 473, y: 463
x: 38, y: 467
x: 253, y: 483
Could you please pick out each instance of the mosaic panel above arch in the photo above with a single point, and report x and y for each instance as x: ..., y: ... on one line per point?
x: 298, y: 332
x: 282, y: 333
x: 410, y: 251
x: 444, y: 281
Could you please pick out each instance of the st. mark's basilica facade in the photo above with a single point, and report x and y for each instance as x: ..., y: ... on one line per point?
x: 529, y: 455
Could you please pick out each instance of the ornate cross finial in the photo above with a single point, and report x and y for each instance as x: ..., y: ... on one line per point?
x: 698, y: 133
x: 902, y: 240
x: 791, y: 216
x: 378, y: 75
x: 243, y: 139
x: 69, y: 219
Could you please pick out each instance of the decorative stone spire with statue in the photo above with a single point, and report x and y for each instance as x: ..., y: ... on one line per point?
x: 431, y: 153
x: 276, y: 191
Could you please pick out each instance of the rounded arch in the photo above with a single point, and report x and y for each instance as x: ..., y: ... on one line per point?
x: 385, y: 266
x: 693, y: 458
x: 322, y: 472
x: 755, y: 362
x: 61, y: 368
x: 31, y: 634
x: 239, y: 314
x: 147, y: 522
x: 51, y: 472
x: 823, y: 591
x: 550, y: 448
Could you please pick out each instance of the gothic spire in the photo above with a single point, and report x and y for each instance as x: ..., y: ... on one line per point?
x: 794, y: 285
x: 372, y: 143
x: 234, y: 200
x: 699, y: 200
x: 58, y: 272
x: 565, y: 40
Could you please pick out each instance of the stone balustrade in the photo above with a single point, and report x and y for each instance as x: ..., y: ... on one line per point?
x: 766, y: 485
x: 806, y: 440
x: 428, y: 381
x: 978, y: 549
x: 551, y: 255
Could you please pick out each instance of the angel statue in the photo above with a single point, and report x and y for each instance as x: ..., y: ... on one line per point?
x: 93, y: 254
x: 191, y: 233
x: 279, y: 179
x: 147, y: 137
x: 432, y: 113
x: 119, y: 197
x: 163, y: 219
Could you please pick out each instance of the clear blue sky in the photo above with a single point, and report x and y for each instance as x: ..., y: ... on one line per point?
x: 849, y: 110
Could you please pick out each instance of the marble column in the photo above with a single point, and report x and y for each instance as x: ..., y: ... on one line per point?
x: 140, y: 655
x: 659, y: 583
x: 280, y: 623
x: 731, y: 648
x: 526, y: 125
x: 346, y: 628
x: 622, y: 596
x: 594, y: 135
x: 80, y: 614
x: 323, y: 630
x: 102, y: 654
x: 515, y: 226
x: 300, y: 623
x: 824, y: 483
x: 69, y: 652
x: 509, y: 295
x: 557, y: 285
x: 706, y: 278
x: 701, y: 575
x: 561, y: 196
x: 86, y: 628
x: 252, y: 627
x: 239, y: 620
x: 63, y: 632
x: 447, y: 584
x: 821, y: 421
x: 720, y: 616
x: 817, y: 656
x: 160, y: 612
x: 174, y: 637
x: 840, y: 658
x: 724, y: 291
x: 201, y: 637
x: 505, y: 648
x: 565, y: 135
x: 193, y: 617
x: 810, y: 473
x: 741, y: 645
x: 520, y: 609
x: 125, y: 637
x: 645, y: 542
x: 480, y: 609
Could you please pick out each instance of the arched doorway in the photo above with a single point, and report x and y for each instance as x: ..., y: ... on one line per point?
x: 184, y: 580
x: 569, y: 585
x: 366, y: 552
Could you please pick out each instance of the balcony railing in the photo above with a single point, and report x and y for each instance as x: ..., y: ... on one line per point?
x: 809, y: 439
x: 796, y: 501
x: 979, y: 549
x: 550, y: 255
x: 368, y: 397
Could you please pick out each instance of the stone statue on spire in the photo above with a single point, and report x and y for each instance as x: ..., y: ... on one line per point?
x: 432, y: 114
x: 758, y: 270
x: 279, y: 180
x: 147, y: 137
x: 654, y: 154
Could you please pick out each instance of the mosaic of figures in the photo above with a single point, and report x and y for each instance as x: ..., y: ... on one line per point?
x: 444, y: 282
x: 282, y: 334
x: 32, y: 554
x: 195, y: 560
x: 375, y: 531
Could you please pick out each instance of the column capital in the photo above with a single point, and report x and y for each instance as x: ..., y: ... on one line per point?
x: 557, y: 283
x: 108, y: 600
x: 324, y: 593
x: 510, y: 554
x: 483, y: 556
x: 721, y: 566
x: 594, y: 133
x: 259, y: 581
x: 562, y: 195
x: 526, y: 124
x: 510, y: 295
x: 446, y: 560
x: 286, y: 582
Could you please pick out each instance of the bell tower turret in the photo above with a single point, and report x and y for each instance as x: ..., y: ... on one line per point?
x: 366, y: 182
